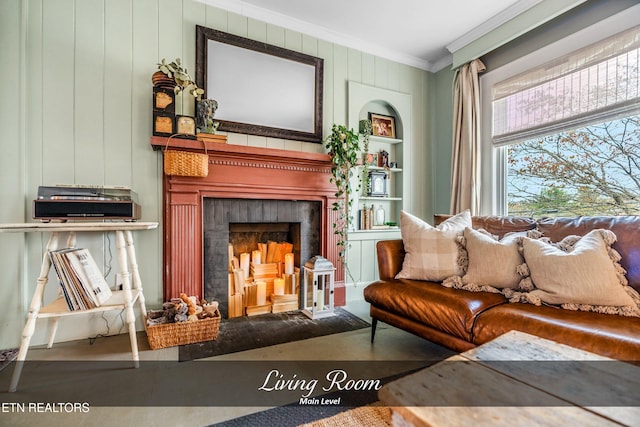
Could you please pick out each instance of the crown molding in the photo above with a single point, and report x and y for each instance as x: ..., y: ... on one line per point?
x: 491, y: 24
x: 442, y: 63
x: 317, y: 31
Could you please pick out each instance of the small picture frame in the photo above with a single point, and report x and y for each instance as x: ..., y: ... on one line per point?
x: 384, y: 126
x: 370, y: 159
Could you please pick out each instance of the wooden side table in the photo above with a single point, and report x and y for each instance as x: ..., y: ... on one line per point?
x: 120, y: 300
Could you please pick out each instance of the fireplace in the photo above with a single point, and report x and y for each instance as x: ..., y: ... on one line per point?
x: 245, y: 223
x: 243, y: 174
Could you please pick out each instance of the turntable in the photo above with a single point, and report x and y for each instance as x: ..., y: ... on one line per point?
x: 86, y: 202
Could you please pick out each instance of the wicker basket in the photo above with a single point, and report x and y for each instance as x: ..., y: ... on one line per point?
x: 186, y: 163
x: 173, y: 334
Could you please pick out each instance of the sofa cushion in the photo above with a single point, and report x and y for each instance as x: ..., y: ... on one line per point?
x: 612, y: 336
x: 584, y: 276
x: 449, y: 310
x: 491, y: 262
x: 626, y: 228
x: 431, y: 252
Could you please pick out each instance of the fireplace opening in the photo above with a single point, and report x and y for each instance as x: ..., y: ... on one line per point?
x: 232, y: 227
x: 245, y: 237
x: 263, y: 277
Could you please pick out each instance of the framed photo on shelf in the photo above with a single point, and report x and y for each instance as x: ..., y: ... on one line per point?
x: 370, y: 159
x: 384, y: 126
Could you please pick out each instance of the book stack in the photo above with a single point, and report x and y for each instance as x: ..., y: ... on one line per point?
x: 81, y: 281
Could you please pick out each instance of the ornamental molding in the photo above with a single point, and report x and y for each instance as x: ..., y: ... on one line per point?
x: 267, y: 165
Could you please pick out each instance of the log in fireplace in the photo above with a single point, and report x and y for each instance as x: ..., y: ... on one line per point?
x: 244, y: 173
x: 245, y: 223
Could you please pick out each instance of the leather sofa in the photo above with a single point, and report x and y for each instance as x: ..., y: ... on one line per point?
x: 461, y: 320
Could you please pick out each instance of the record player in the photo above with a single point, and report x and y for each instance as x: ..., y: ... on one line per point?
x: 86, y: 202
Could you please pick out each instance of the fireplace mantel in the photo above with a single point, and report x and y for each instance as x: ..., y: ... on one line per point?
x: 238, y: 172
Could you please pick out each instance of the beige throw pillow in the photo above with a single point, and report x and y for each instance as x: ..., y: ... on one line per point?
x: 492, y: 262
x: 585, y: 275
x: 431, y: 252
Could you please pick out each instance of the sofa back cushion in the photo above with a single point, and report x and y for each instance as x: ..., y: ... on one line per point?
x: 626, y: 229
x: 496, y: 225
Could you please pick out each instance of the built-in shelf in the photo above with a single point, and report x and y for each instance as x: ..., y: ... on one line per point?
x: 367, y: 237
x: 380, y: 168
x: 377, y: 230
x: 363, y: 101
x: 381, y: 198
x: 384, y: 139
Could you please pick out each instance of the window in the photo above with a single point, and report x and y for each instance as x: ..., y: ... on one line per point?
x: 563, y: 138
x: 593, y: 170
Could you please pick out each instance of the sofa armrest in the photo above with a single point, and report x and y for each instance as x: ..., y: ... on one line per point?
x: 390, y: 258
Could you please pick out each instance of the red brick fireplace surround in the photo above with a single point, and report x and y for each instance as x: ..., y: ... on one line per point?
x: 238, y: 172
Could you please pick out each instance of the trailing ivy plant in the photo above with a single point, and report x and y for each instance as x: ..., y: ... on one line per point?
x: 366, y: 128
x: 344, y: 149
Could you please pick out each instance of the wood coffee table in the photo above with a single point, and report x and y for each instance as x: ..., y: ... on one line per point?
x: 518, y: 379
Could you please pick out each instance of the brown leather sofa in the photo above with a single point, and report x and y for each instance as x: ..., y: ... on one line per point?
x: 461, y: 320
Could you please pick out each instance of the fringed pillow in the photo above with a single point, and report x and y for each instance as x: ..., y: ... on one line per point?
x: 578, y: 273
x: 489, y: 264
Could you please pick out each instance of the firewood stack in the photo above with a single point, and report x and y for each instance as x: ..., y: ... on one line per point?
x: 264, y: 281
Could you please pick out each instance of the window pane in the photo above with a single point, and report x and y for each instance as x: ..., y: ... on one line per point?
x: 594, y: 170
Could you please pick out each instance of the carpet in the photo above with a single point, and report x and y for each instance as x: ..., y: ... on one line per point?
x: 285, y: 416
x: 250, y: 332
x: 365, y: 408
x: 371, y: 415
x: 7, y: 356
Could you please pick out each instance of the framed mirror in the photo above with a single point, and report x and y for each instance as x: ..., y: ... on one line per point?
x: 261, y: 89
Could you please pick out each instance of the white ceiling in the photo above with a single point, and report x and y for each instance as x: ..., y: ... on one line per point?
x: 413, y: 32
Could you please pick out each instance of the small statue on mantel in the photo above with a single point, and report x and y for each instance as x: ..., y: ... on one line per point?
x: 206, y: 110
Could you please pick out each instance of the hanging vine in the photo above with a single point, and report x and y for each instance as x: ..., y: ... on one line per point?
x: 344, y: 149
x: 366, y: 127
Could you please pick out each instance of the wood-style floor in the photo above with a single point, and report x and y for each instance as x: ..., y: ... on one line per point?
x: 390, y: 344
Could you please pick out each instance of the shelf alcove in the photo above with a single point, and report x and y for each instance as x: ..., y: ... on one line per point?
x: 363, y: 100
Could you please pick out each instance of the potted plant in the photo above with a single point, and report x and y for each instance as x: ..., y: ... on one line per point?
x: 173, y: 74
x: 344, y: 149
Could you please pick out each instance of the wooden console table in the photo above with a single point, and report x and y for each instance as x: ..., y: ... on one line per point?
x: 517, y: 379
x: 120, y: 300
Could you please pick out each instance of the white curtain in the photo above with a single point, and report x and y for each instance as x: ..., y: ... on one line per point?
x: 465, y: 162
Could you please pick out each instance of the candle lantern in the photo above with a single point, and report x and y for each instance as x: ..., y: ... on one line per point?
x: 317, y: 287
